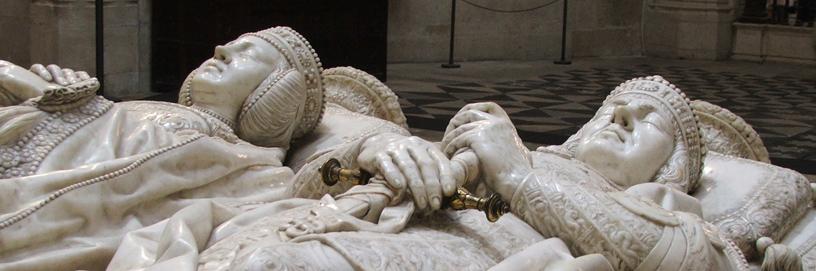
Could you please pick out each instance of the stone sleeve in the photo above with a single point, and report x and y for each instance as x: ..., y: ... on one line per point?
x: 588, y: 220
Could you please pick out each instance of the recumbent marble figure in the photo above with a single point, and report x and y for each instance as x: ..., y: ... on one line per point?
x: 655, y: 136
x: 633, y: 189
x: 89, y: 183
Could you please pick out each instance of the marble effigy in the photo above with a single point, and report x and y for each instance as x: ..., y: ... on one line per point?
x: 228, y: 178
x: 85, y: 180
x: 651, y: 208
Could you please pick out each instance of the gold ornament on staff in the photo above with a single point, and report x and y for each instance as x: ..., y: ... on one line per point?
x: 493, y: 206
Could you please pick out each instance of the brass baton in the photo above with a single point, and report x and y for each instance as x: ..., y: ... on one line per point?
x: 493, y: 206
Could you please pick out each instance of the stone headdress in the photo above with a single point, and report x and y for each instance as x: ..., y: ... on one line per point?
x: 289, y: 103
x: 302, y: 57
x: 683, y: 168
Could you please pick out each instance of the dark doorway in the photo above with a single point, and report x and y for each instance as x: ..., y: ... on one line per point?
x: 344, y: 33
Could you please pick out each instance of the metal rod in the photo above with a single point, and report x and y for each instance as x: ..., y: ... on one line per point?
x: 100, y: 46
x: 563, y: 60
x: 450, y: 63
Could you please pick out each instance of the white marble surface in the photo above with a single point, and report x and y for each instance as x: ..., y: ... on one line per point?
x: 191, y: 191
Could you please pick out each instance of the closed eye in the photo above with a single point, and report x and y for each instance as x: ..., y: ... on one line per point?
x: 657, y: 121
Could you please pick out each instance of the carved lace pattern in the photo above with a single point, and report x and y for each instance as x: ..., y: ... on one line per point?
x: 361, y: 92
x: 419, y: 250
x: 286, y: 257
x: 495, y: 239
x: 587, y: 219
x: 725, y: 132
x: 66, y: 98
x: 175, y: 118
x: 772, y: 211
x: 719, y: 141
x: 224, y: 252
x: 700, y: 239
x: 551, y: 160
x: 451, y: 240
x: 23, y: 157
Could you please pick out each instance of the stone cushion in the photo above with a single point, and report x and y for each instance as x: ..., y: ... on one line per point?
x: 747, y: 199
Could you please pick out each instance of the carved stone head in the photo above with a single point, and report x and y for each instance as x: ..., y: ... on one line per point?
x: 269, y: 82
x: 645, y: 131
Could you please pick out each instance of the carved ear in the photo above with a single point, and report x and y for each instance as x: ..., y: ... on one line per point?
x: 271, y: 113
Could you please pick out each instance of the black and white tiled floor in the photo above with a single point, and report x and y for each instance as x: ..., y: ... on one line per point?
x: 551, y: 105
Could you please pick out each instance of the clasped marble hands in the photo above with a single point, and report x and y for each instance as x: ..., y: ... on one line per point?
x: 228, y: 178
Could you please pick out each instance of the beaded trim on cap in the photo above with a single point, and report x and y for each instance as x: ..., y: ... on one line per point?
x: 713, y: 117
x: 686, y: 119
x: 300, y: 54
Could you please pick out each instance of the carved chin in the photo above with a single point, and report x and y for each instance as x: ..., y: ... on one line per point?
x: 206, y: 79
x: 602, y: 156
x: 600, y: 147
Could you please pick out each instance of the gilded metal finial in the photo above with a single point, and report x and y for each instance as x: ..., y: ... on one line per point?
x: 493, y: 206
x: 332, y: 173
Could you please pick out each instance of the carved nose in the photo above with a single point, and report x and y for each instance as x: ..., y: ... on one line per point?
x: 221, y: 53
x: 623, y: 116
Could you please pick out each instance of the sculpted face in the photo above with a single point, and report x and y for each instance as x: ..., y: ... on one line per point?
x: 223, y: 82
x: 628, y: 141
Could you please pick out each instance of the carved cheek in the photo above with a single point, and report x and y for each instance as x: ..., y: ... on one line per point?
x: 660, y: 144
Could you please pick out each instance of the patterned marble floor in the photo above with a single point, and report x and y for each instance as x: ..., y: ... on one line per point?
x: 548, y: 102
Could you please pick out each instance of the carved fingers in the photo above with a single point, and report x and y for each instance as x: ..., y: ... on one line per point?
x: 61, y: 76
x: 40, y: 70
x: 476, y: 112
x: 20, y: 83
x: 446, y: 179
x: 315, y: 222
x: 322, y: 219
x: 462, y: 136
x: 413, y: 163
x: 389, y: 169
x: 408, y: 167
x: 486, y: 129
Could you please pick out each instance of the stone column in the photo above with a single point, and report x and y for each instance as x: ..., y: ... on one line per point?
x: 127, y: 48
x: 15, y: 31
x: 696, y: 29
x: 63, y: 32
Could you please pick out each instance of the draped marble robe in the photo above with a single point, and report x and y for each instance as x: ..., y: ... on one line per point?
x: 148, y: 181
x: 100, y: 170
x: 465, y: 240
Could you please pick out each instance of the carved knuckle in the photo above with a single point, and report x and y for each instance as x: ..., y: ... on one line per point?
x: 425, y: 163
x: 405, y: 163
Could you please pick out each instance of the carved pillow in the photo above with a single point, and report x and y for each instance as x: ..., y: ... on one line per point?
x: 725, y: 132
x: 362, y: 93
x: 747, y: 199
